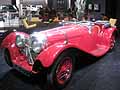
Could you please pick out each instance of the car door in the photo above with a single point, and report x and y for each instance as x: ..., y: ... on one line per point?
x: 97, y: 33
x: 80, y: 37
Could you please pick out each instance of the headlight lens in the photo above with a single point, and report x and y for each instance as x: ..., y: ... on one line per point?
x: 20, y: 41
x: 38, y: 42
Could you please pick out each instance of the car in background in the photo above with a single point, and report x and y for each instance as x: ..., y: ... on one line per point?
x: 10, y: 11
x: 54, y: 51
x: 8, y: 8
x: 9, y: 15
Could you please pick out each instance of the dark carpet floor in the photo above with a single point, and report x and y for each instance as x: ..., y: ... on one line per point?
x: 104, y: 74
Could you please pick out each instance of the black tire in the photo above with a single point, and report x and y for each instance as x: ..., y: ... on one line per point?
x: 6, y: 57
x: 61, y: 72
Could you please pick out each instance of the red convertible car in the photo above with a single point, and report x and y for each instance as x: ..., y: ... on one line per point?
x: 54, y: 50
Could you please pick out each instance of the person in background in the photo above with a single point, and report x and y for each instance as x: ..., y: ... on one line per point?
x: 102, y: 16
x: 85, y: 17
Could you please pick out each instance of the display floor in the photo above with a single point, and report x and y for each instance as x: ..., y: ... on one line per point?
x: 104, y: 74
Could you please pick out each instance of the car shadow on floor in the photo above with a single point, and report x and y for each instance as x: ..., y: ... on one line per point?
x: 14, y: 79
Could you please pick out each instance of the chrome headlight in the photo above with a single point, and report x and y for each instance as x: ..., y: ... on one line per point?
x: 38, y: 41
x: 20, y: 41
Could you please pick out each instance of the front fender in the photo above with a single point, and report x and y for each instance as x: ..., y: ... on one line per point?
x: 9, y: 43
x: 48, y: 56
x: 8, y: 40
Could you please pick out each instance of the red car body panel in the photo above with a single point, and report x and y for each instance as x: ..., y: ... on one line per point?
x: 95, y: 41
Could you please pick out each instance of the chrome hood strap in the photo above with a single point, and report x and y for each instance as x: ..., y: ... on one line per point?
x: 29, y: 55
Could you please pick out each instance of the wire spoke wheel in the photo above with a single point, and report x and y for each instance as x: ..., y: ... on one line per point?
x: 64, y: 70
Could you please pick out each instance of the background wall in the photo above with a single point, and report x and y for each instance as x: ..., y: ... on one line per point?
x: 111, y: 8
x: 102, y: 5
x: 5, y: 2
x: 35, y: 2
x: 117, y: 8
x: 117, y: 12
x: 59, y: 4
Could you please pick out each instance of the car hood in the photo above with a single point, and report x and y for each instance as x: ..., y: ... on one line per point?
x: 63, y: 33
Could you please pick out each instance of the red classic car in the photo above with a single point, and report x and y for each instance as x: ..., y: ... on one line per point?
x: 53, y: 50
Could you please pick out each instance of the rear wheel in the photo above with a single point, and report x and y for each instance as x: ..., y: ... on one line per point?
x: 62, y: 71
x: 112, y: 42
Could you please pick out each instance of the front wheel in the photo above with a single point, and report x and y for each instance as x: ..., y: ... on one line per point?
x: 6, y: 56
x: 62, y: 71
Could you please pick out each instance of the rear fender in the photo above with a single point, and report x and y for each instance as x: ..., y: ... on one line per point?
x: 108, y: 33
